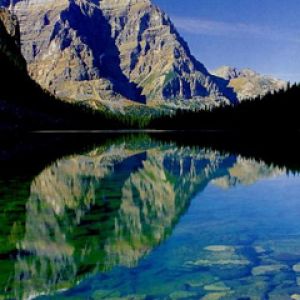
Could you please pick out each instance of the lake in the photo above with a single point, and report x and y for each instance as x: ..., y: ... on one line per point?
x: 143, y: 218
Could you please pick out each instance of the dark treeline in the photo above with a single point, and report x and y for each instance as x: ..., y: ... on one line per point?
x: 275, y: 111
x: 280, y: 149
x: 29, y: 154
x: 24, y: 105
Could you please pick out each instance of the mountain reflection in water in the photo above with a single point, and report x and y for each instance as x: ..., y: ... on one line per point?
x: 110, y: 207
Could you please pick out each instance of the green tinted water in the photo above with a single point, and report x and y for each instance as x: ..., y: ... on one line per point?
x: 145, y: 220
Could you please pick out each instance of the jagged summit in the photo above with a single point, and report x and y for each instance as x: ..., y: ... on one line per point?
x: 247, y: 83
x: 227, y: 72
x: 118, y: 3
x: 110, y: 50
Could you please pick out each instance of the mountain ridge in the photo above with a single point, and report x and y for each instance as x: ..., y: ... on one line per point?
x: 99, y: 50
x: 247, y: 83
x: 24, y: 105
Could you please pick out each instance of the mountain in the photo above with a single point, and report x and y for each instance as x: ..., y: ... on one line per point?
x: 247, y: 83
x: 24, y: 105
x: 15, y: 82
x: 94, y: 51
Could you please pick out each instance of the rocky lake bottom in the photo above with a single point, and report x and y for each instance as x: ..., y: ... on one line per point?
x: 139, y: 219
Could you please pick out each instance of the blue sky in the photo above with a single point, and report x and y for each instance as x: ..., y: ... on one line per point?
x: 260, y: 34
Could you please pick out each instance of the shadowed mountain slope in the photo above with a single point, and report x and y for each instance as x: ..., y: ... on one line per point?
x: 94, y: 51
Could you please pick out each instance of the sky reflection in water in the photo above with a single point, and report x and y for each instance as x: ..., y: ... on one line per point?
x: 145, y: 220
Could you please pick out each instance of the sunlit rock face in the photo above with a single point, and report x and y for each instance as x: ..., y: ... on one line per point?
x: 248, y: 84
x: 110, y: 207
x: 69, y: 50
x: 153, y: 54
x: 111, y: 50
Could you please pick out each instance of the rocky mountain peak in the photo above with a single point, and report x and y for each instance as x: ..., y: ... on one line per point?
x: 95, y: 51
x: 247, y: 83
x: 227, y: 72
x: 119, y: 3
x: 247, y: 72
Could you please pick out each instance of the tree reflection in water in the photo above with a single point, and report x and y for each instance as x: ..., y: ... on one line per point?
x: 109, y: 207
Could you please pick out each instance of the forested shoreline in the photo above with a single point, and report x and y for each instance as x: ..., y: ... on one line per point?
x: 275, y: 111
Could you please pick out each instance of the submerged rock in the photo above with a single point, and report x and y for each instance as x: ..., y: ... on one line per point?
x: 109, y: 207
x: 220, y: 248
x: 221, y: 256
x: 253, y: 288
x: 182, y: 295
x: 214, y: 296
x: 222, y: 262
x: 266, y: 270
x: 260, y: 250
x: 296, y: 268
x: 203, y: 280
x: 217, y: 287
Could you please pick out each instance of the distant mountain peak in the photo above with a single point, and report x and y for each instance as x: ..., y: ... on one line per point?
x: 248, y: 72
x: 227, y: 72
x: 247, y: 83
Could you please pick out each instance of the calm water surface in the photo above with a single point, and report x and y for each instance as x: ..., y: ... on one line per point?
x: 138, y: 219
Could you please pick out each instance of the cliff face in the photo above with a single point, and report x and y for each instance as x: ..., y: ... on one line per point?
x: 107, y: 50
x: 248, y: 84
x: 69, y: 50
x: 153, y: 54
x: 24, y: 104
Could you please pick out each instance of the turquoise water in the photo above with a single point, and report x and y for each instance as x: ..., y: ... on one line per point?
x: 138, y: 219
